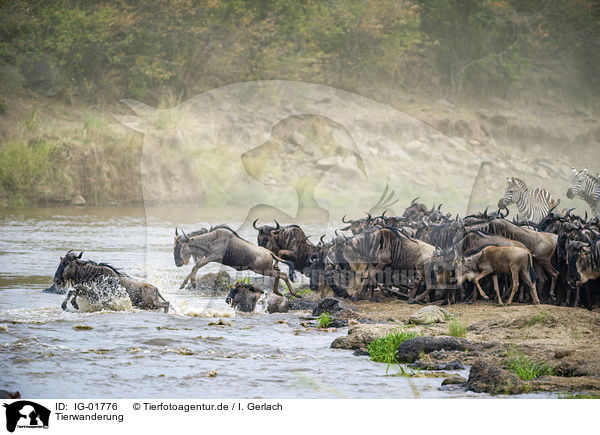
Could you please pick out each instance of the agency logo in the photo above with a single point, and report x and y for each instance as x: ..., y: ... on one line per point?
x: 26, y: 414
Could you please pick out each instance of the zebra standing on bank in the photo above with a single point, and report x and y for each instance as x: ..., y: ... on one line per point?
x: 533, y: 205
x: 586, y: 186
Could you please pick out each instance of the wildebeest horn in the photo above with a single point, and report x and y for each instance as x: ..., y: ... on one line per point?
x: 176, y: 233
x: 432, y: 209
x: 254, y: 224
x: 321, y: 241
x: 586, y: 217
x: 369, y: 217
x: 80, y: 254
x: 185, y: 236
x: 440, y: 206
x: 413, y: 201
x: 383, y: 214
x: 276, y: 223
x: 568, y: 213
x: 344, y: 221
x: 336, y: 233
x: 486, y: 211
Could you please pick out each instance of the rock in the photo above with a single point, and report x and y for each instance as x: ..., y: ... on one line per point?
x: 360, y: 352
x: 454, y: 380
x: 361, y: 335
x: 429, y: 314
x: 338, y: 323
x: 488, y: 378
x: 329, y: 305
x: 219, y: 282
x: 78, y: 200
x: 302, y: 304
x: 426, y: 365
x: 410, y: 350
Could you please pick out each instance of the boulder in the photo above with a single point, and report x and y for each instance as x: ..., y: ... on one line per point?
x: 454, y: 380
x: 410, y: 350
x: 361, y: 335
x: 487, y: 378
x: 428, y: 365
x: 429, y: 314
x: 329, y: 305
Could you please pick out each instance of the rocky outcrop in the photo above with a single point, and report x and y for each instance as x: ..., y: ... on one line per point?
x: 487, y: 378
x: 219, y: 282
x: 360, y: 336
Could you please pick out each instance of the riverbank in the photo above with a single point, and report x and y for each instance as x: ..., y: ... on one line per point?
x: 563, y: 339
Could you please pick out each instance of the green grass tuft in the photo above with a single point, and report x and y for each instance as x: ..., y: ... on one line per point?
x: 527, y: 369
x: 384, y: 349
x: 324, y: 320
x: 457, y: 328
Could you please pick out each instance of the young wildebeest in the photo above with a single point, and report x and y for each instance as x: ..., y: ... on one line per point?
x: 495, y: 260
x: 584, y: 266
x: 243, y: 297
x: 83, y: 274
x: 222, y: 245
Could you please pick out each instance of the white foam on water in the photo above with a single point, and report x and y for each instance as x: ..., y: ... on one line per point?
x: 261, y: 304
x: 199, y: 308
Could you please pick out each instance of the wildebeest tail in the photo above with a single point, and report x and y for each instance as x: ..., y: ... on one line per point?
x: 532, y: 273
x: 290, y: 265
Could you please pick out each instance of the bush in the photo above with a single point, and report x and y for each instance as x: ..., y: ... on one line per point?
x: 324, y: 320
x: 527, y: 369
x: 384, y: 349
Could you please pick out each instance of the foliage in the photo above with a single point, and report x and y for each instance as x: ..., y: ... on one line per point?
x: 527, y: 369
x: 384, y: 349
x: 457, y: 328
x: 324, y: 320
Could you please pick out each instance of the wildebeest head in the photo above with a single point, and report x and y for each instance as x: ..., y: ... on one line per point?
x: 357, y: 226
x: 266, y: 233
x: 181, y: 249
x: 59, y: 275
x: 243, y: 297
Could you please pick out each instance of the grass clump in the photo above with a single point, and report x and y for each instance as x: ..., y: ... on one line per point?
x: 324, y: 320
x: 526, y: 368
x: 384, y: 349
x: 457, y: 328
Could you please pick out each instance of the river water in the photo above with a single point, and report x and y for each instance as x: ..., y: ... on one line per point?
x: 141, y: 354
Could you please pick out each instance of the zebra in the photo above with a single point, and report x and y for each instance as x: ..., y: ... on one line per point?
x: 533, y: 205
x: 586, y: 186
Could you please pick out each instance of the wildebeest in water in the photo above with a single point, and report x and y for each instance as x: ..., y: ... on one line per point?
x: 85, y: 275
x: 245, y: 297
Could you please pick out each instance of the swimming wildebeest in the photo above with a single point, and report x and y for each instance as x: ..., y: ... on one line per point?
x: 244, y: 297
x: 495, y: 260
x: 222, y: 245
x: 85, y: 274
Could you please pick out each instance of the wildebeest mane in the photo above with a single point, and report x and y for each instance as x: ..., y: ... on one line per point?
x: 225, y: 227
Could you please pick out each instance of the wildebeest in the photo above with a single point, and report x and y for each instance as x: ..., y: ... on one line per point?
x: 288, y: 242
x: 223, y: 245
x: 74, y: 271
x: 499, y: 260
x: 244, y: 297
x: 541, y: 245
x: 584, y: 265
x: 8, y: 395
x: 371, y: 252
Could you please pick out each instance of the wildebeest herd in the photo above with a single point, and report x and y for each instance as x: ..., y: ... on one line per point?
x: 422, y: 256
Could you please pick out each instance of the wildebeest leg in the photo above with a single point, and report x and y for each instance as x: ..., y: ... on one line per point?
x: 69, y: 294
x: 527, y: 281
x: 276, y: 273
x: 192, y: 275
x: 497, y: 288
x: 553, y: 275
x: 576, y: 301
x: 477, y: 278
x: 515, y: 279
x: 276, y: 287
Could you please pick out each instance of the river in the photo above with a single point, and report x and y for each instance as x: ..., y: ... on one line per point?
x: 46, y: 352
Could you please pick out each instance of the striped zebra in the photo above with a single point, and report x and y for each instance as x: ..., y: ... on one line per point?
x: 586, y: 186
x: 533, y: 205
